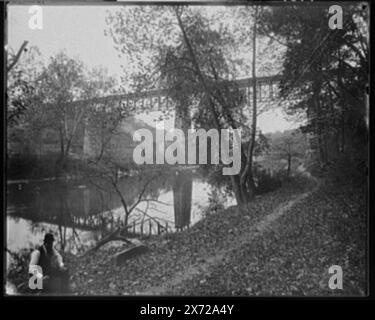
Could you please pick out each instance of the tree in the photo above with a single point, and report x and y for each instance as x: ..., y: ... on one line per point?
x: 325, y: 72
x: 62, y: 88
x: 23, y: 71
x: 189, y: 56
x: 247, y: 174
x: 106, y: 166
x: 288, y: 145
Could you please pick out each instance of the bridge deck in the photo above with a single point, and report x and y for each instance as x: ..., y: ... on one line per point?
x: 163, y: 93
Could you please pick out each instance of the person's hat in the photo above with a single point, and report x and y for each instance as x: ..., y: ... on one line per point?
x: 49, y: 237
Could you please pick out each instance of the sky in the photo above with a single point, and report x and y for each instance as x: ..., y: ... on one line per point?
x: 79, y: 30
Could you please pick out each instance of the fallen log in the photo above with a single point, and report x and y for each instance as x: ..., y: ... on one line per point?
x: 116, y: 235
x: 129, y: 253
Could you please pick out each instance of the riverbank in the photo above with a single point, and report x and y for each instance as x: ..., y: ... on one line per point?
x: 293, y: 257
x: 282, y: 245
x: 176, y: 258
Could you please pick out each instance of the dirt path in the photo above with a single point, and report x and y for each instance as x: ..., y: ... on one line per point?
x: 206, y: 263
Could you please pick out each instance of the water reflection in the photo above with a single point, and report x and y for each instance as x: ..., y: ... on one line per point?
x: 182, y: 196
x: 22, y: 233
x: 79, y: 213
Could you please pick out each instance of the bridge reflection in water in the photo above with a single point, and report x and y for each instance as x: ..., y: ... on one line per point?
x: 182, y: 197
x: 81, y: 213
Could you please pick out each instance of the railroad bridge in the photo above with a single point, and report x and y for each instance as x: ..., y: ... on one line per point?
x: 267, y: 90
x: 154, y: 100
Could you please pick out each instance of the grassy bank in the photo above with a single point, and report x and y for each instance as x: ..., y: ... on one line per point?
x: 173, y: 254
x: 293, y: 258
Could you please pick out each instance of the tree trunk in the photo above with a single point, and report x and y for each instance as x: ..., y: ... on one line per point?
x: 236, y: 185
x: 60, y: 163
x: 123, y: 202
x: 342, y: 145
x: 234, y: 180
x: 318, y: 120
x: 342, y: 100
x: 247, y: 179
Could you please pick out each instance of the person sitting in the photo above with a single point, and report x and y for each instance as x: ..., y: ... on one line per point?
x: 47, y: 264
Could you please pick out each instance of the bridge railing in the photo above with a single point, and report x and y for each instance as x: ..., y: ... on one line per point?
x: 267, y: 90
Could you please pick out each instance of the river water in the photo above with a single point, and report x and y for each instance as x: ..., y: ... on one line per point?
x: 81, y: 212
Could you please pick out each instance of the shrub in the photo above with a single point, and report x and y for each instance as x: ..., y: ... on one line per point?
x: 266, y: 180
x: 18, y: 269
x: 21, y: 166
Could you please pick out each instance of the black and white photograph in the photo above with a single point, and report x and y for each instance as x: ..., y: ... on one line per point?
x: 203, y: 148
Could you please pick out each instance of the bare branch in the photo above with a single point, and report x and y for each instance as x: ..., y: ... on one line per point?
x: 141, y: 194
x: 17, y: 56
